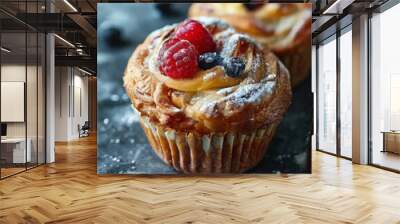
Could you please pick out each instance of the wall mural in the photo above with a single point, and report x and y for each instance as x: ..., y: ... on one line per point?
x: 204, y: 88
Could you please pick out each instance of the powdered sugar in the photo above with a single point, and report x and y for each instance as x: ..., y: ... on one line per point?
x: 232, y: 43
x: 256, y: 63
x: 251, y: 93
x: 226, y: 91
x: 221, y: 36
x: 235, y: 97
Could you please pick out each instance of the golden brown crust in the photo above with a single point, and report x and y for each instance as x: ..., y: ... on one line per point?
x: 292, y: 45
x: 260, y: 99
x: 229, y: 152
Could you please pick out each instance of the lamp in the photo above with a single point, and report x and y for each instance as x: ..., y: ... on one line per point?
x: 84, y: 71
x: 64, y: 40
x: 337, y: 7
x: 70, y: 5
x: 5, y: 49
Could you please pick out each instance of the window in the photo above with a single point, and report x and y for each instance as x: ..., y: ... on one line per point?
x: 22, y: 75
x: 314, y: 90
x: 346, y: 93
x: 385, y: 89
x: 327, y: 96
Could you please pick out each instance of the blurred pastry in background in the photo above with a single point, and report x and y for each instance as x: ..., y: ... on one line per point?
x: 285, y: 28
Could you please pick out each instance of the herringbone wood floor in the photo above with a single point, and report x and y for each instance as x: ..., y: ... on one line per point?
x: 70, y: 191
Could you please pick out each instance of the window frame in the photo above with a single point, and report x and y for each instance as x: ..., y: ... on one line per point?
x: 335, y: 36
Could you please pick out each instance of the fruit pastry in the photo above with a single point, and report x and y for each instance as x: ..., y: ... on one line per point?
x: 209, y: 98
x: 283, y: 27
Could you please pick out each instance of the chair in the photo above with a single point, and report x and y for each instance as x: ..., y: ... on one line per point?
x: 84, y: 130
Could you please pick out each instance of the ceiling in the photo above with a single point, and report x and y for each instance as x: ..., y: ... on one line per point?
x: 330, y: 16
x: 76, y: 22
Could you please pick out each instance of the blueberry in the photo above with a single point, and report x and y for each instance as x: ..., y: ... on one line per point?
x: 165, y: 9
x: 209, y: 60
x: 233, y: 67
x: 113, y: 35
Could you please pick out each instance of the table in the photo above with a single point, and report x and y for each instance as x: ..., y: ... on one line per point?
x: 19, y: 155
x: 391, y: 141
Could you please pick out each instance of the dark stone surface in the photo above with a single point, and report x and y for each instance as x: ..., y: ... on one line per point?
x: 122, y: 145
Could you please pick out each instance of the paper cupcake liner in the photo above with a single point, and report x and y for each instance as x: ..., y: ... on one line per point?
x: 187, y: 152
x: 298, y: 61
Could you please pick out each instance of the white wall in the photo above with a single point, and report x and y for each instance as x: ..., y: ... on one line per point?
x: 16, y: 73
x: 61, y: 103
x: 71, y: 94
x: 81, y: 89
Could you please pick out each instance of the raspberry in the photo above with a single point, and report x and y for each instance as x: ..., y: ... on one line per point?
x: 178, y: 59
x: 194, y: 32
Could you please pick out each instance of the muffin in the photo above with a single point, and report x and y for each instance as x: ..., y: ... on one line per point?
x: 283, y: 27
x: 209, y: 98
